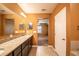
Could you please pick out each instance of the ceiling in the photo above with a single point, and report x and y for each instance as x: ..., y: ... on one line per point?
x: 37, y: 7
x: 4, y: 10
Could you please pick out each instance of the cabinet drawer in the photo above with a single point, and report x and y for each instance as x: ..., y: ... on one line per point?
x: 17, y: 51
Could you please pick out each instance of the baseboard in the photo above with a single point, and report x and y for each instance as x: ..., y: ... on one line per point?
x: 37, y: 46
x: 54, y: 50
x: 34, y: 45
x: 50, y: 46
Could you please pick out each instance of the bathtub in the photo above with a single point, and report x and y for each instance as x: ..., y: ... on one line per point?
x: 74, y: 48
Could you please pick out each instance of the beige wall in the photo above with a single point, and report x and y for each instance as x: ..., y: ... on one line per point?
x: 0, y: 25
x: 75, y: 21
x: 51, y: 30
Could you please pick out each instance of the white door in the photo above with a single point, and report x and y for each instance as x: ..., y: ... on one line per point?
x: 60, y: 32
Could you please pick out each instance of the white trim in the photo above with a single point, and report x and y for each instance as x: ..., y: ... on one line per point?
x: 50, y: 46
x: 38, y: 45
x: 34, y: 45
x: 53, y: 49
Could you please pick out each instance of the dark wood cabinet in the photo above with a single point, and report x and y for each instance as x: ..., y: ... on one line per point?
x: 19, y: 54
x: 26, y: 47
x: 23, y: 49
x: 10, y: 54
x: 17, y: 51
x: 30, y: 43
x: 26, y: 43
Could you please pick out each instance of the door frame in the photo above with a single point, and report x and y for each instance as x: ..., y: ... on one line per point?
x: 47, y: 29
x: 58, y: 8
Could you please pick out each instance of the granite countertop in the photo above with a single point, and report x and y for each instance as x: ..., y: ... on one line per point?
x: 9, y: 46
x: 6, y: 38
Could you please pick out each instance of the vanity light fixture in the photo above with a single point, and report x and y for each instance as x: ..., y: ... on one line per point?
x: 16, y: 32
x: 23, y: 14
x: 30, y: 23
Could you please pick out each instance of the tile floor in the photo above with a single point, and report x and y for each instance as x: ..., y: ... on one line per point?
x: 42, y: 51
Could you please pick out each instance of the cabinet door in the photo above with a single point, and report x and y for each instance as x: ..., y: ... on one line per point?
x: 19, y: 54
x: 25, y: 51
x: 25, y: 44
x: 17, y: 51
x: 30, y: 43
x: 10, y: 54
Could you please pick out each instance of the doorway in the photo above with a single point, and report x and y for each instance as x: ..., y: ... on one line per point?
x: 43, y: 32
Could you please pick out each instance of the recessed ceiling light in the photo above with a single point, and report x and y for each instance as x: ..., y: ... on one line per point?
x: 23, y: 14
x: 43, y: 9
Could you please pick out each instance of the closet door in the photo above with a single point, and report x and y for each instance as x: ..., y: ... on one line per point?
x: 60, y: 32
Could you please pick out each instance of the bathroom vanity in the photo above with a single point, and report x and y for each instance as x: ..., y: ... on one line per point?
x: 19, y: 46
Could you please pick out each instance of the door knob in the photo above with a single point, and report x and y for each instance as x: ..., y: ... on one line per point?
x: 63, y: 39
